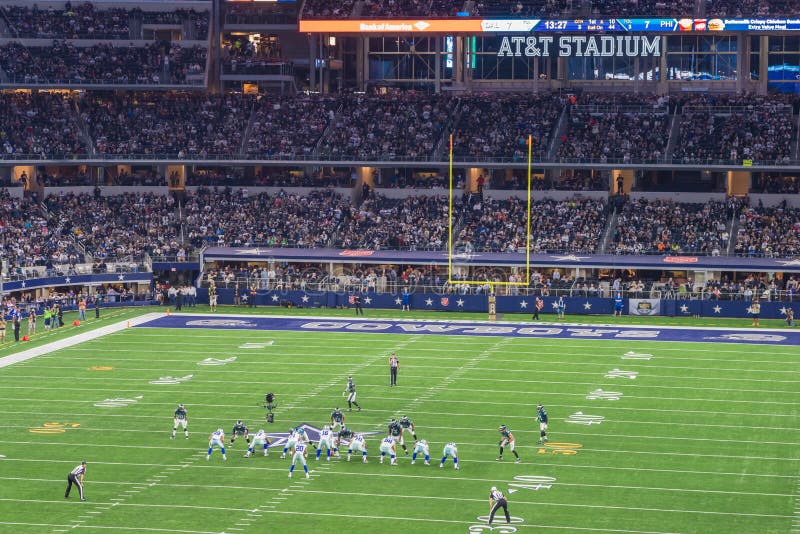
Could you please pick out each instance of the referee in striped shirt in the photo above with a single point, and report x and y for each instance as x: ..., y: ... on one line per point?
x: 496, y: 501
x: 76, y: 477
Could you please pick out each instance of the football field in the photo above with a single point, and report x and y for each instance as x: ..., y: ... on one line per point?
x: 644, y: 436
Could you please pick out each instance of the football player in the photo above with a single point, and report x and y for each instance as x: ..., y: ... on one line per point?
x: 259, y: 439
x: 337, y: 419
x: 541, y: 416
x: 240, y: 430
x: 408, y: 425
x: 396, y: 433
x: 450, y: 450
x: 325, y: 440
x: 216, y: 438
x: 350, y: 391
x: 358, y: 444
x: 295, y: 435
x: 180, y: 418
x: 421, y: 447
x: 342, y: 440
x: 388, y: 446
x: 299, y: 454
x: 507, y: 440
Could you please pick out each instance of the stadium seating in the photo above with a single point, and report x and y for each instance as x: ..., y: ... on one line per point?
x: 666, y: 227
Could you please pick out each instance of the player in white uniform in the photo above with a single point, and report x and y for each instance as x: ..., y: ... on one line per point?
x: 291, y: 441
x: 216, y: 438
x: 388, y: 446
x: 180, y: 418
x: 358, y: 444
x: 325, y: 440
x: 421, y: 447
x: 259, y: 439
x: 450, y: 450
x: 299, y: 454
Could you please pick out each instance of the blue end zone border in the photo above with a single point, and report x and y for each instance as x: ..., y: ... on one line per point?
x: 478, y: 328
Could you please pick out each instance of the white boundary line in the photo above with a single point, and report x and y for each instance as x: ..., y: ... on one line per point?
x: 75, y: 340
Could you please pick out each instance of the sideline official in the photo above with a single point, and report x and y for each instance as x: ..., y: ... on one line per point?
x: 496, y: 501
x: 76, y: 477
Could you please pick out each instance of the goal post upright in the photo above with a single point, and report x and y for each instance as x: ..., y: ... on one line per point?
x: 493, y: 284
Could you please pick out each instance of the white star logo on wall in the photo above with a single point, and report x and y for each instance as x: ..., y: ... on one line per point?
x: 523, y: 304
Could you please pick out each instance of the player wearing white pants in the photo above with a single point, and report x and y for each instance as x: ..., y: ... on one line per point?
x: 450, y: 450
x: 299, y: 456
x: 260, y: 439
x: 325, y: 440
x: 358, y: 444
x: 388, y: 447
x: 290, y: 442
x: 217, y: 438
x: 421, y: 447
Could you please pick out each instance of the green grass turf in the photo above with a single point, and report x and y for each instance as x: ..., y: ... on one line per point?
x: 705, y: 439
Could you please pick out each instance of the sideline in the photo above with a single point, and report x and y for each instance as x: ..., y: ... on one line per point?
x: 75, y: 340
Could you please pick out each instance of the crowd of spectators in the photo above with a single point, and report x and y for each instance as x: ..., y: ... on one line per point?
x: 383, y: 223
x: 39, y: 124
x: 615, y: 136
x: 667, y: 227
x: 260, y: 13
x: 575, y: 225
x: 770, y: 232
x: 182, y: 124
x: 520, y: 8
x: 751, y: 8
x: 198, y: 21
x: 288, y: 127
x: 63, y: 62
x: 113, y: 227
x: 499, y: 125
x: 776, y: 184
x: 732, y: 130
x: 387, y: 127
x: 80, y: 21
x: 325, y: 9
x: 28, y: 239
x: 232, y: 218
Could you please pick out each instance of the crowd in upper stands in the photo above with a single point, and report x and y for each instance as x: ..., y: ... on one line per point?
x: 183, y: 124
x: 289, y: 127
x: 724, y: 129
x: 63, y: 62
x: 499, y: 125
x: 83, y: 20
x: 42, y: 124
x: 392, y: 126
x: 404, y: 125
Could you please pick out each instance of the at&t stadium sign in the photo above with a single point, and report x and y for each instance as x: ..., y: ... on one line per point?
x: 581, y: 46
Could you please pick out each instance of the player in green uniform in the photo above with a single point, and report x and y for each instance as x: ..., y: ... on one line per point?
x: 507, y: 440
x: 408, y: 425
x: 350, y: 391
x: 240, y: 430
x: 337, y: 419
x: 396, y: 433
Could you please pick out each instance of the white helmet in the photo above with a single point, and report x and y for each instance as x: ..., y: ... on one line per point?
x: 494, y: 488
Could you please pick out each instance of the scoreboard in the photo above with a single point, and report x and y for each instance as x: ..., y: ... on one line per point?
x: 478, y: 26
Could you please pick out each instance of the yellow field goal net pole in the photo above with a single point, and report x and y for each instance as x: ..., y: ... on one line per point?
x: 527, y: 230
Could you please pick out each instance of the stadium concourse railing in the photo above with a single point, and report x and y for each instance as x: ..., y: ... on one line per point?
x: 569, y: 289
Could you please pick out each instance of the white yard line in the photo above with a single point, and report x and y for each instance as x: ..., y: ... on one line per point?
x: 75, y: 340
